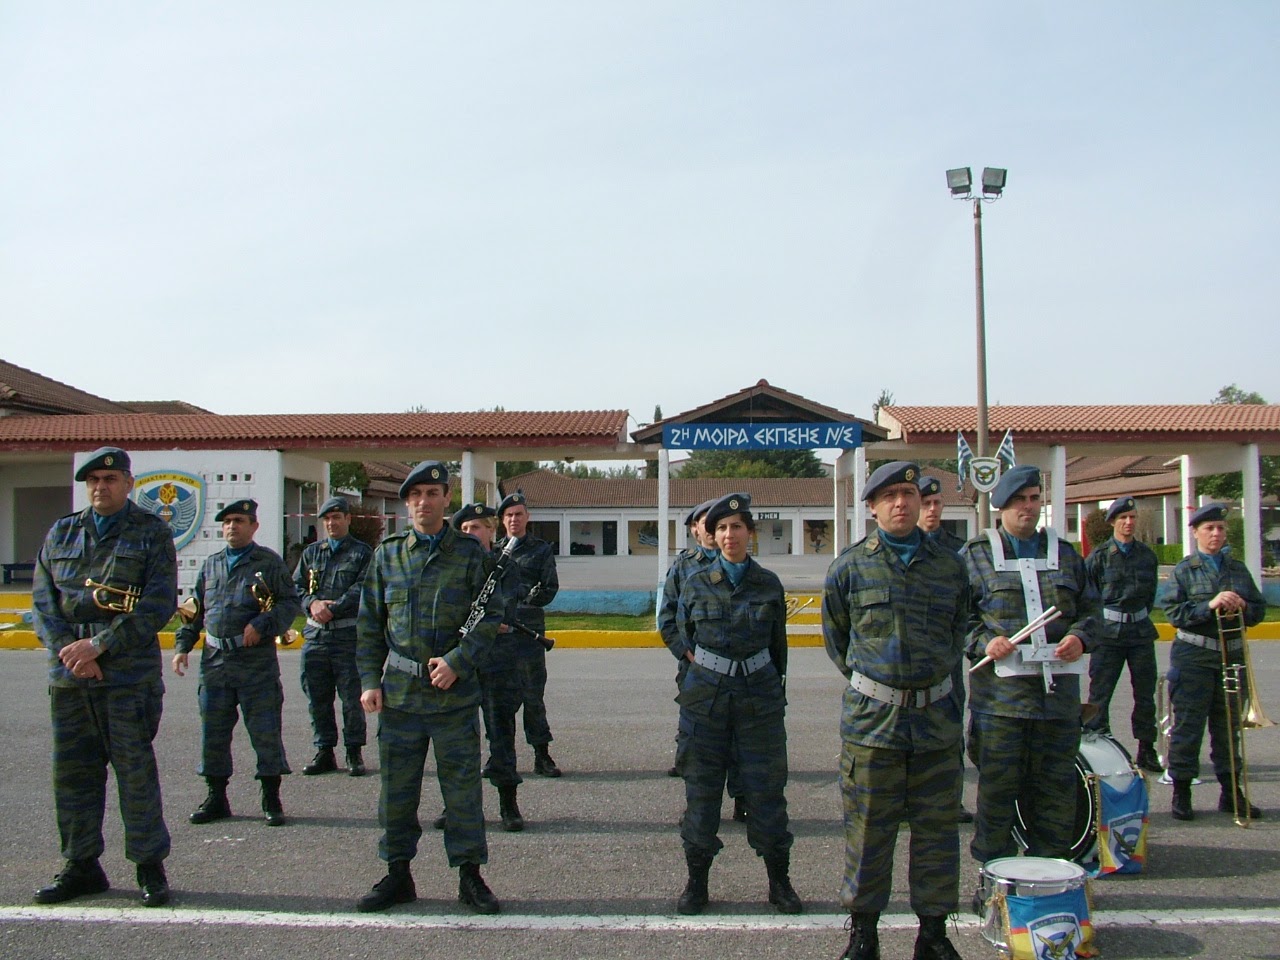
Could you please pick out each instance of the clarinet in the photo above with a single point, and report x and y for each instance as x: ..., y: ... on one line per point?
x: 531, y: 633
x: 491, y: 584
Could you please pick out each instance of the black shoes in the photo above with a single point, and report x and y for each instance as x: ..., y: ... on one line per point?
x: 78, y: 878
x: 964, y: 816
x: 1147, y: 759
x: 215, y: 806
x: 395, y: 887
x: 543, y: 765
x: 473, y: 891
x: 1182, y: 800
x: 438, y: 822
x: 739, y: 810
x: 864, y: 939
x: 1240, y: 805
x: 153, y: 883
x: 932, y: 942
x: 355, y: 762
x: 781, y: 894
x: 694, y: 898
x: 324, y: 762
x: 509, y: 810
x: 271, y: 805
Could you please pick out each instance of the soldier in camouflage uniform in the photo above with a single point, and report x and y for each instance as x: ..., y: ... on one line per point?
x: 894, y: 615
x: 930, y: 524
x: 539, y: 584
x: 244, y: 600
x: 732, y: 617
x: 1022, y: 739
x: 1125, y: 572
x: 1208, y: 584
x: 328, y: 579
x: 105, y: 686
x: 419, y: 651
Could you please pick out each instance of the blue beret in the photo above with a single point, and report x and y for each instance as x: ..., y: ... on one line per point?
x: 428, y: 471
x: 930, y: 486
x: 472, y: 511
x: 248, y: 507
x: 1123, y: 505
x: 727, y: 506
x: 698, y: 512
x: 104, y: 458
x: 334, y: 503
x: 900, y: 471
x: 1013, y: 480
x: 1210, y: 511
x: 516, y: 499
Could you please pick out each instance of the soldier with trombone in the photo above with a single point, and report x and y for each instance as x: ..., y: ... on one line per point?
x: 1211, y: 598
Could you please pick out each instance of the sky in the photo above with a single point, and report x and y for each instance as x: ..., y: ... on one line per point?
x: 330, y: 207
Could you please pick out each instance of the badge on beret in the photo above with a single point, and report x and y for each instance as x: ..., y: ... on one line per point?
x: 733, y: 504
x: 911, y: 474
x: 245, y: 506
x: 108, y: 461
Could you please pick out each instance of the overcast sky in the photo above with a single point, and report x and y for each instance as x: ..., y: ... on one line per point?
x: 335, y: 207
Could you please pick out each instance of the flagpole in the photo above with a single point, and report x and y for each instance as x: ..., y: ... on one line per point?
x: 984, y: 501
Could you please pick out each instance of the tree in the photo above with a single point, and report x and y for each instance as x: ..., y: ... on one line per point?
x: 1231, y: 395
x: 513, y: 468
x: 1229, y: 486
x: 884, y: 400
x: 752, y: 463
x: 348, y: 475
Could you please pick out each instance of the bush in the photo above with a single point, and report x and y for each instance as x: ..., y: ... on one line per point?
x: 367, y: 526
x: 1167, y: 552
x: 1096, y: 528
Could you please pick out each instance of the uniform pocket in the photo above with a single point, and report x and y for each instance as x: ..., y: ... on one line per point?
x: 874, y: 611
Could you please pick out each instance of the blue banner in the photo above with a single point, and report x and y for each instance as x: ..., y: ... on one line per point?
x: 761, y: 436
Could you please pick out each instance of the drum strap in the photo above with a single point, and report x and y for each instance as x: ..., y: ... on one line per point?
x: 1028, y: 570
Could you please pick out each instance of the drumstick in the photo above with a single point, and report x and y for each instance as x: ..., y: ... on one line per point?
x: 1050, y: 615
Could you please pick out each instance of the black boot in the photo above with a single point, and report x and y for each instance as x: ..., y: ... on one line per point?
x: 543, y: 765
x: 932, y: 942
x: 355, y: 762
x: 78, y: 878
x: 509, y: 810
x: 964, y: 816
x: 1182, y: 800
x: 694, y: 899
x: 781, y: 894
x: 473, y: 891
x: 324, y: 762
x: 1237, y: 804
x: 439, y: 822
x: 271, y: 805
x: 153, y: 883
x: 864, y: 940
x: 739, y: 810
x: 1147, y: 759
x: 215, y: 806
x: 395, y: 887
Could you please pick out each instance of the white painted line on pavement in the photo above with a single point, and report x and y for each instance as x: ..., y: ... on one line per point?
x: 609, y: 923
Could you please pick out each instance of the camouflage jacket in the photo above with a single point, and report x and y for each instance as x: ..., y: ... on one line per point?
x: 136, y: 551
x: 1186, y: 601
x: 325, y: 574
x: 998, y: 609
x: 414, y: 602
x: 945, y: 538
x: 686, y: 562
x: 227, y: 604
x: 506, y: 647
x: 1127, y: 584
x: 539, y: 584
x: 902, y: 625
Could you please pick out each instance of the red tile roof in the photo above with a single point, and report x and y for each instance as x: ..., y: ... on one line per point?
x: 1142, y: 485
x: 359, y: 431
x: 26, y: 390
x: 1066, y: 424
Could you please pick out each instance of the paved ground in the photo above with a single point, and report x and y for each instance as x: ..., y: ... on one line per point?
x: 598, y: 870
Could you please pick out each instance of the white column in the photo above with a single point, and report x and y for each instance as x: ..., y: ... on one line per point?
x: 664, y: 504
x: 841, y: 520
x: 565, y: 533
x: 859, y: 484
x: 1058, y: 493
x: 1188, y: 502
x: 797, y: 534
x: 1251, y: 508
x: 468, y: 490
x: 1168, y: 519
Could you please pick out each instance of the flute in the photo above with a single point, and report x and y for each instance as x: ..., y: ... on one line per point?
x: 1050, y: 615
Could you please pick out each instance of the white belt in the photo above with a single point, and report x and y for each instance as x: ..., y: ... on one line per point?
x: 1116, y: 616
x: 729, y: 668
x: 902, y: 698
x: 332, y: 624
x: 404, y: 664
x: 1210, y: 643
x: 224, y: 644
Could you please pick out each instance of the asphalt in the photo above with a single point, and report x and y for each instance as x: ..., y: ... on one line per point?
x: 597, y: 872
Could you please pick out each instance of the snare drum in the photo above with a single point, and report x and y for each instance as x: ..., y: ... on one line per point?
x: 1029, y: 877
x: 1101, y: 755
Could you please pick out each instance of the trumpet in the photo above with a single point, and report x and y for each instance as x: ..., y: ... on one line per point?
x: 795, y: 605
x: 1238, y: 688
x: 189, y: 609
x: 102, y: 597
x: 267, y: 601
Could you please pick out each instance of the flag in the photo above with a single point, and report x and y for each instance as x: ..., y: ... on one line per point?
x: 964, y: 455
x: 1005, y: 452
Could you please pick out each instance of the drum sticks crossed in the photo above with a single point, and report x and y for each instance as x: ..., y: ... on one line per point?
x: 1050, y: 615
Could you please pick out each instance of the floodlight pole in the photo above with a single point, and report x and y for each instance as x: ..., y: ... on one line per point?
x: 984, y: 500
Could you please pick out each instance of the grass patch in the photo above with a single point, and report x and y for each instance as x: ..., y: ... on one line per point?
x: 599, y: 621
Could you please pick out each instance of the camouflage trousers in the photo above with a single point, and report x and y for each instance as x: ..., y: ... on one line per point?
x: 735, y: 732
x: 262, y: 705
x: 733, y: 780
x: 404, y: 740
x: 1195, y: 691
x: 882, y: 788
x: 93, y: 728
x: 1031, y: 762
x: 1105, y: 666
x: 533, y: 693
x: 501, y: 697
x: 329, y: 669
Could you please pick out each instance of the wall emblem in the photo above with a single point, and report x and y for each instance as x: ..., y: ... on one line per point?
x: 177, y: 498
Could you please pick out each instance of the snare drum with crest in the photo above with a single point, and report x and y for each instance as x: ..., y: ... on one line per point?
x: 1036, y: 907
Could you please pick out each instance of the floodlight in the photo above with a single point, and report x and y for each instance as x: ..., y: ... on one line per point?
x: 993, y: 179
x: 959, y: 180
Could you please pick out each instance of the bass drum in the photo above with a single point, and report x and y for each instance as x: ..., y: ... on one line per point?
x: 1101, y: 755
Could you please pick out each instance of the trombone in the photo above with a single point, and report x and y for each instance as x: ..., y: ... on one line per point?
x: 1238, y: 688
x: 103, y: 594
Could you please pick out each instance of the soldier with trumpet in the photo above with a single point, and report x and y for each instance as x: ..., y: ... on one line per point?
x: 105, y: 584
x: 243, y: 598
x: 1208, y: 588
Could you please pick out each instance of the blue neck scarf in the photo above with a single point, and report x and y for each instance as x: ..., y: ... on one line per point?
x: 335, y: 544
x: 734, y: 571
x: 431, y: 540
x: 234, y: 556
x: 1025, y: 549
x: 103, y: 524
x: 708, y: 553
x: 904, y: 547
x: 1125, y: 547
x: 1214, y: 559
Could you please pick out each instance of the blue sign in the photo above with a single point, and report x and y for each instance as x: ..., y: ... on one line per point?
x: 761, y: 436
x: 177, y: 498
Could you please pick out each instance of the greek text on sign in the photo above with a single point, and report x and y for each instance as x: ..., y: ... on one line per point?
x: 761, y: 436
